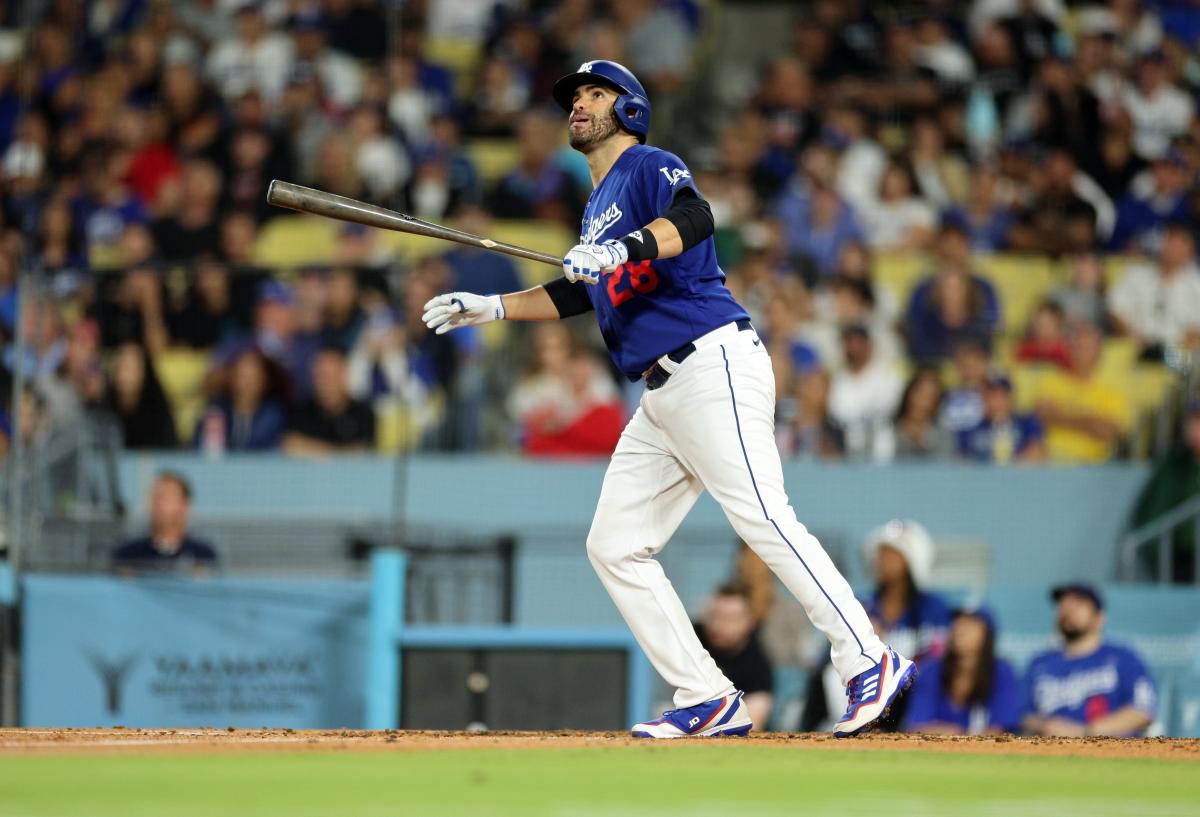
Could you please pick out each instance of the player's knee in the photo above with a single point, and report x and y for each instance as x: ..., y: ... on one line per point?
x: 605, y: 550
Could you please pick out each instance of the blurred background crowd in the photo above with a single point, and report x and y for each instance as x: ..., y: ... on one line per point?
x: 965, y: 230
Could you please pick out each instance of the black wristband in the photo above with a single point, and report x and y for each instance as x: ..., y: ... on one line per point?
x: 642, y: 246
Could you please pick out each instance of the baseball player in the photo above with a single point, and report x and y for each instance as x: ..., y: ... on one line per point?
x: 647, y: 266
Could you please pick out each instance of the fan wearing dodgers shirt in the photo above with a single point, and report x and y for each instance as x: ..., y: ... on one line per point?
x: 1089, y: 686
x: 647, y: 266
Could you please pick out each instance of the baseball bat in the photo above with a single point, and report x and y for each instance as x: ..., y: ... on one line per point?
x: 330, y: 205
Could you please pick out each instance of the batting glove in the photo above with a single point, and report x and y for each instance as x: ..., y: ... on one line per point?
x: 455, y: 309
x: 585, y: 262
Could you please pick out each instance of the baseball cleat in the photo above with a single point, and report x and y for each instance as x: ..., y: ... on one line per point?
x: 873, y: 692
x: 719, y: 717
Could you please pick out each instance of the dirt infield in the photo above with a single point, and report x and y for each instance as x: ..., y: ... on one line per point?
x: 28, y: 741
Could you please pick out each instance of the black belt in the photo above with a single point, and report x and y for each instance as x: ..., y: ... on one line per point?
x: 656, y: 376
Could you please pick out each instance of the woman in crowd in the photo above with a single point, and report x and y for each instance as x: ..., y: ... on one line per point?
x: 136, y: 397
x: 969, y: 691
x: 909, y: 618
x: 249, y: 415
x: 918, y: 435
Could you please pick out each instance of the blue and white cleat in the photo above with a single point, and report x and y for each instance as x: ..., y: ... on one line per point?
x: 719, y: 717
x: 873, y: 692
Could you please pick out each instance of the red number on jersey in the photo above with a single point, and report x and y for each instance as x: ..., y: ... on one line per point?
x: 630, y: 278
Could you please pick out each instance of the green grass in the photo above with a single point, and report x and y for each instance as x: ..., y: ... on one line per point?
x: 650, y: 781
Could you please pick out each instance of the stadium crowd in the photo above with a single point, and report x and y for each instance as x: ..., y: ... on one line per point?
x: 137, y: 140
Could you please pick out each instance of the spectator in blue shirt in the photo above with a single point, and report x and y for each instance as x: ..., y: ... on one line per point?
x: 1144, y: 213
x: 817, y: 225
x: 986, y: 221
x: 951, y: 305
x: 250, y: 415
x: 168, y: 544
x: 969, y: 691
x: 962, y: 407
x: 1089, y: 686
x: 1002, y: 436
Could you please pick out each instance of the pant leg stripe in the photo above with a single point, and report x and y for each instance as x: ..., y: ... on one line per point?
x: 738, y: 423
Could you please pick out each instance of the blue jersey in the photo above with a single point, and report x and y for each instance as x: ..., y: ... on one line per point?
x: 929, y: 704
x: 988, y: 442
x: 648, y: 309
x: 1089, y: 687
x: 920, y: 631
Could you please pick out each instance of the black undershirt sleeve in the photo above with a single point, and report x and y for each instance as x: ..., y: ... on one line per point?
x: 691, y: 216
x: 569, y: 299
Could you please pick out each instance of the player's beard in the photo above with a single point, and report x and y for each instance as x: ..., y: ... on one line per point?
x: 598, y: 129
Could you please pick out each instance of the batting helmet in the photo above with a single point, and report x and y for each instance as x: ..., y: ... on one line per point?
x: 632, y: 106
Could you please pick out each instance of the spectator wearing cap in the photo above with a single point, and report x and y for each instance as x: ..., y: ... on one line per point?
x: 1003, y: 436
x: 864, y: 397
x: 969, y: 690
x: 254, y: 58
x: 911, y: 619
x: 168, y: 544
x: 331, y: 421
x: 951, y: 305
x: 1175, y: 480
x: 1088, y: 686
x: 1083, y: 414
x: 1154, y: 201
x: 1159, y: 305
x: 340, y: 75
x: 728, y: 629
x: 1159, y: 110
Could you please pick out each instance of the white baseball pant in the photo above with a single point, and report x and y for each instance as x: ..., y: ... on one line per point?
x: 712, y: 427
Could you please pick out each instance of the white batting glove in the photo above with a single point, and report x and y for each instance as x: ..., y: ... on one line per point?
x: 585, y: 262
x: 455, y: 309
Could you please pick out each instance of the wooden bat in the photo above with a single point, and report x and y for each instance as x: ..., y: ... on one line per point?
x: 330, y: 205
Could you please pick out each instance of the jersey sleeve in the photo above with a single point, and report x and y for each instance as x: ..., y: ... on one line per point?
x: 1135, y: 687
x: 1028, y: 706
x: 665, y: 175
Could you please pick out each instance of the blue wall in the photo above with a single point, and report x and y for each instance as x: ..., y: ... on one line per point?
x: 1041, y: 524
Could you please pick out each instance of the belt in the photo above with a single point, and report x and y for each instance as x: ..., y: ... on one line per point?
x: 656, y: 376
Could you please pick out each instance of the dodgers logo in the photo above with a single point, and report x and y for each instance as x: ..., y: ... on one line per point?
x: 586, y: 68
x: 673, y: 176
x: 598, y: 224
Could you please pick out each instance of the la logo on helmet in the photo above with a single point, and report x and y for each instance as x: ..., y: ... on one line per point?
x: 586, y: 68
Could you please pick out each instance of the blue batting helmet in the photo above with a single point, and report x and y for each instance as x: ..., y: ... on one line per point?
x: 632, y: 107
